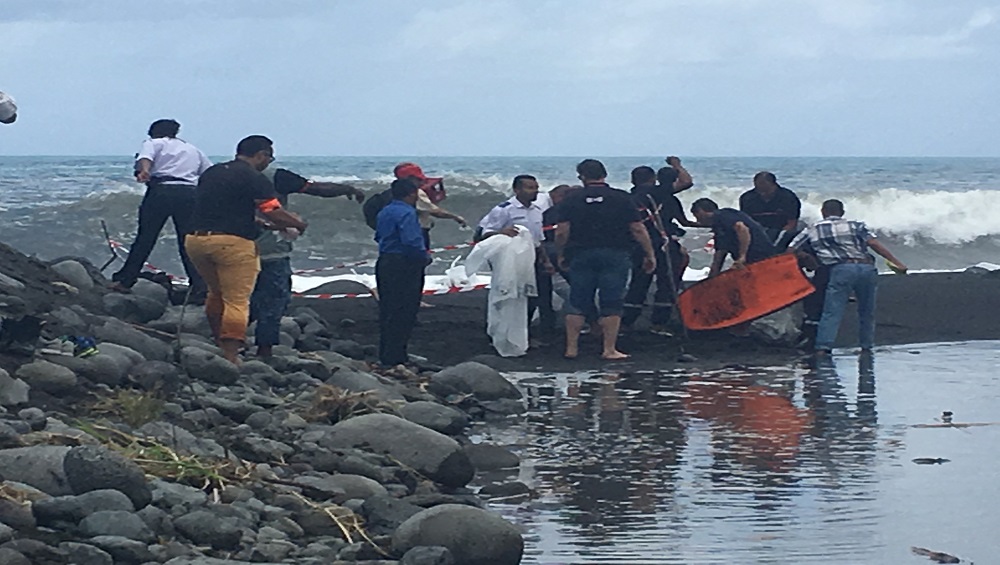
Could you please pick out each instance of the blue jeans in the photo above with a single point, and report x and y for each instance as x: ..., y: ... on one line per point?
x: 271, y: 296
x: 861, y: 278
x: 601, y: 270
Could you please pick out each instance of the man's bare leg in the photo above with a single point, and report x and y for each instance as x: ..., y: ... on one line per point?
x: 574, y: 324
x: 609, y: 330
x: 230, y: 349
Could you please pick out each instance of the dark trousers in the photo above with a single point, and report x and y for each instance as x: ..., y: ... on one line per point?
x: 542, y: 302
x: 271, y: 296
x: 812, y: 305
x: 400, y: 283
x: 663, y: 298
x: 162, y: 201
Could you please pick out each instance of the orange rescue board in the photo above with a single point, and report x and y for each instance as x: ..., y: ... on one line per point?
x: 737, y: 296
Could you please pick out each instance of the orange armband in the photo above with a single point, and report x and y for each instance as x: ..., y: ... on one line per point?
x: 269, y: 206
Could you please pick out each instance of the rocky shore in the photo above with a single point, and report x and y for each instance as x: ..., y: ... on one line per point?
x: 156, y: 450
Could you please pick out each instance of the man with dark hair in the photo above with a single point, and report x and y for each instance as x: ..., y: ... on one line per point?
x: 659, y: 208
x: 524, y: 209
x: 774, y: 207
x: 842, y: 246
x: 8, y: 109
x: 736, y: 234
x: 675, y: 176
x: 221, y: 242
x: 170, y: 168
x: 594, y: 238
x: 431, y: 193
x: 273, y: 292
x: 399, y: 272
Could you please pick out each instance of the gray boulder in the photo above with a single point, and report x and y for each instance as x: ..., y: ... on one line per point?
x: 155, y: 376
x: 64, y: 321
x: 72, y: 509
x: 132, y: 307
x: 203, y: 527
x: 428, y: 555
x: 151, y: 291
x: 116, y: 331
x: 13, y: 510
x: 11, y: 557
x: 174, y: 495
x: 101, y: 368
x: 84, y: 554
x: 474, y: 536
x: 92, y: 467
x: 483, y: 382
x: 126, y: 356
x: 116, y: 523
x: 437, y: 417
x: 432, y: 454
x: 6, y: 533
x: 12, y: 391
x: 40, y: 466
x: 213, y: 561
x: 123, y: 550
x: 193, y: 321
x: 383, y: 514
x: 182, y: 440
x: 208, y: 367
x: 344, y: 487
x: 489, y: 457
x: 74, y: 273
x: 46, y: 376
x: 348, y: 348
x: 356, y: 381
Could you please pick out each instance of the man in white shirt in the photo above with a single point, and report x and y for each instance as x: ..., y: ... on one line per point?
x: 8, y: 109
x: 526, y: 208
x: 170, y: 168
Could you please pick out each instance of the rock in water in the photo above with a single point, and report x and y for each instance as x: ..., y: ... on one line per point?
x: 440, y: 418
x: 474, y: 536
x: 93, y: 467
x: 432, y: 454
x: 473, y: 378
x: 52, y: 378
x: 488, y: 457
x: 208, y: 367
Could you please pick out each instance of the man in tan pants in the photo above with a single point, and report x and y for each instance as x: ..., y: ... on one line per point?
x: 221, y: 244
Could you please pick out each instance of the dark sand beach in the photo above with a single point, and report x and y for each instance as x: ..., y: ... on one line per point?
x: 917, y: 308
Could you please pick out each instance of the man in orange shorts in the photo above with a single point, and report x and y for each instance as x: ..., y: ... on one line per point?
x: 221, y: 244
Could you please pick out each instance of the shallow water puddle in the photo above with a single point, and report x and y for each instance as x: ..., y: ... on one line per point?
x: 763, y: 465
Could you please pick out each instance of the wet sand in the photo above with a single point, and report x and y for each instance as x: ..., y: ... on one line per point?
x: 919, y: 308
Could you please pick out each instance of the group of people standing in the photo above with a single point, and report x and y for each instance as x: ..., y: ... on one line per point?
x: 235, y: 238
x: 611, y: 246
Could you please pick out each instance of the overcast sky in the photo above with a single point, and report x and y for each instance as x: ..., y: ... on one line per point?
x: 507, y: 77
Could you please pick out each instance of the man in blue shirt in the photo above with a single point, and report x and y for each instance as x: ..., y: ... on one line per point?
x: 399, y: 272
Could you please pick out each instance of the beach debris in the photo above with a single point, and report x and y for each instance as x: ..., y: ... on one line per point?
x: 931, y: 461
x: 935, y: 556
x: 686, y: 358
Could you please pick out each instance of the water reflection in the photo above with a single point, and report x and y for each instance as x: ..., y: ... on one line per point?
x: 731, y: 466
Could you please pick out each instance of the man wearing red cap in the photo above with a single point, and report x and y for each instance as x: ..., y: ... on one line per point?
x: 430, y: 194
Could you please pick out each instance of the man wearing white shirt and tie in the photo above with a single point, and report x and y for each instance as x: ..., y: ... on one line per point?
x: 526, y: 208
x: 170, y: 168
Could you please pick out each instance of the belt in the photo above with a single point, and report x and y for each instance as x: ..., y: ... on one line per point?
x: 861, y: 261
x: 209, y: 233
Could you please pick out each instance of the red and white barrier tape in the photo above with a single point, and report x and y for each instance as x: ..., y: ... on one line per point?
x: 450, y: 290
x: 124, y: 250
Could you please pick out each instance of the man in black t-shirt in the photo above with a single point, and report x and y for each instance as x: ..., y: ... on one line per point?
x: 221, y: 244
x: 774, y: 207
x: 736, y: 234
x: 273, y: 291
x: 659, y: 209
x: 594, y: 239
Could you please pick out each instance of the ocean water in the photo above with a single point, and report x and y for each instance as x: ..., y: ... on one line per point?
x: 934, y: 213
x: 767, y: 465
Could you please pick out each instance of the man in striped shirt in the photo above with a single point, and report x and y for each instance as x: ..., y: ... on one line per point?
x: 842, y: 246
